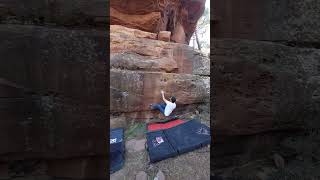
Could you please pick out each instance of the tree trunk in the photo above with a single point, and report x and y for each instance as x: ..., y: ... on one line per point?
x: 198, y: 43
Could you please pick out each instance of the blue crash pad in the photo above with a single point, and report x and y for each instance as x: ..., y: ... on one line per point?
x: 189, y: 136
x: 159, y: 147
x: 116, y: 149
x: 176, y: 140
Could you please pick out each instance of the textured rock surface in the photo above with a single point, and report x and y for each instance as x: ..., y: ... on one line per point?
x: 266, y: 68
x: 141, y: 52
x: 79, y: 168
x: 52, y: 91
x: 135, y: 91
x: 65, y: 62
x: 272, y: 20
x: 265, y: 92
x: 164, y: 36
x: 266, y: 86
x: 177, y: 16
x: 50, y: 127
x: 142, y: 66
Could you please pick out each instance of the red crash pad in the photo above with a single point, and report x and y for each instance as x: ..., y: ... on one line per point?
x: 167, y: 125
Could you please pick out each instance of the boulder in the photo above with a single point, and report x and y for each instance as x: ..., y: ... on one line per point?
x: 164, y: 36
x: 135, y: 91
x: 141, y: 66
x: 132, y: 52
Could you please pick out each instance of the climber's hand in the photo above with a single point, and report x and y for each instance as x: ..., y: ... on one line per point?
x: 162, y: 92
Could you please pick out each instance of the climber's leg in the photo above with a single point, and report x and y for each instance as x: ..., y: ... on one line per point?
x: 161, y: 107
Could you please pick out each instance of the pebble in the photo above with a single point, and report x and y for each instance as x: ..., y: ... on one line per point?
x: 160, y: 176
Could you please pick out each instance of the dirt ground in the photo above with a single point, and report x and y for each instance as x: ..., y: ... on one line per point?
x: 194, y: 165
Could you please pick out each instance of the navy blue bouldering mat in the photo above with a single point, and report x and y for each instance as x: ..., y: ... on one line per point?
x: 159, y: 147
x: 189, y: 136
x: 116, y: 149
x: 176, y: 140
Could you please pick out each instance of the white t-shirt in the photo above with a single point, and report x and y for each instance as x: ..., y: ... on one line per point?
x: 169, y: 108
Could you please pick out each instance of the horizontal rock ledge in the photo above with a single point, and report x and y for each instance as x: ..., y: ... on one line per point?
x: 131, y: 51
x: 135, y: 91
x: 132, y: 32
x: 132, y: 61
x: 147, y: 22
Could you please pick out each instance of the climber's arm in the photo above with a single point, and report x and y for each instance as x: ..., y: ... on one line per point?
x: 164, y: 99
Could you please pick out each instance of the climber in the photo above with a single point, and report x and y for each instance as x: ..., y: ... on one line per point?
x: 167, y: 107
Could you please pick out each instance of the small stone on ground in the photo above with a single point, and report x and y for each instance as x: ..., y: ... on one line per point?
x: 160, y: 175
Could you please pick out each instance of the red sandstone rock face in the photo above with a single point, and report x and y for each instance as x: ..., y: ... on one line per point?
x: 140, y: 51
x: 141, y: 66
x: 177, y: 16
x: 164, y: 36
x: 74, y: 74
x: 135, y: 91
x: 52, y: 99
x: 262, y: 87
x: 266, y: 83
